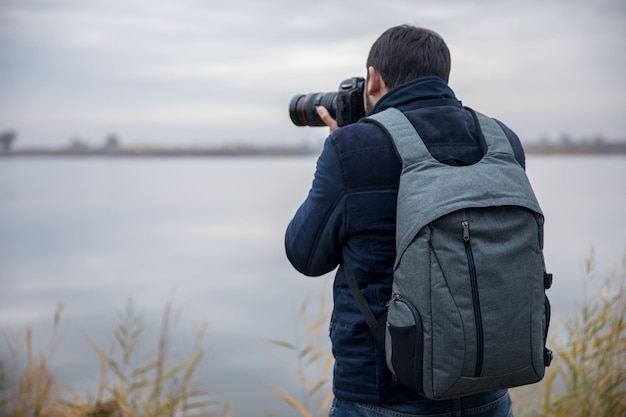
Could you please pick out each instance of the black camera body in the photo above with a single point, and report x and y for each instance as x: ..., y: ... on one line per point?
x: 345, y: 105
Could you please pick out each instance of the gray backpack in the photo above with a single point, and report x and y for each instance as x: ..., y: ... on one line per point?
x: 468, y: 311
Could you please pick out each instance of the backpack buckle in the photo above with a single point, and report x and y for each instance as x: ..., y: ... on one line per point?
x: 547, y: 357
x: 547, y: 280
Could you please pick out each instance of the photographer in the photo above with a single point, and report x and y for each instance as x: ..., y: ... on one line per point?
x: 348, y: 218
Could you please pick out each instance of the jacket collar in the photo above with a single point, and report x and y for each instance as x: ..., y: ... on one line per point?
x: 421, y: 92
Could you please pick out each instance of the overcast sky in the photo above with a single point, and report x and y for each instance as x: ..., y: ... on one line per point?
x: 204, y: 72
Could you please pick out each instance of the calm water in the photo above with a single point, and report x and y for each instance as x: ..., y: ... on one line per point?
x: 92, y: 233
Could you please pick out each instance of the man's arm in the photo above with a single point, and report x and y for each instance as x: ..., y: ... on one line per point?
x: 315, y: 234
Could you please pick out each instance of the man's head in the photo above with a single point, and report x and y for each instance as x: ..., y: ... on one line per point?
x: 404, y: 53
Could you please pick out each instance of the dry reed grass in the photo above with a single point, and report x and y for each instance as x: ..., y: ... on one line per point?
x: 132, y: 383
x: 588, y: 374
x: 313, y: 362
x: 33, y: 390
x: 587, y: 377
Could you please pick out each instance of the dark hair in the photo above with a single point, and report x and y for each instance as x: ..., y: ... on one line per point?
x: 403, y: 53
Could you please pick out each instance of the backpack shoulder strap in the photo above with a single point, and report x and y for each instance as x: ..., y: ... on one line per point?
x: 376, y: 326
x: 491, y: 135
x: 411, y: 148
x: 407, y: 142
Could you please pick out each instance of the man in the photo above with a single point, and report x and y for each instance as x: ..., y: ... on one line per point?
x: 348, y: 218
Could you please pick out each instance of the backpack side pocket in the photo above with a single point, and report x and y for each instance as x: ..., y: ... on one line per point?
x: 404, y: 342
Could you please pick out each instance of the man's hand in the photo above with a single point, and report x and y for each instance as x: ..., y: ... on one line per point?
x: 327, y: 118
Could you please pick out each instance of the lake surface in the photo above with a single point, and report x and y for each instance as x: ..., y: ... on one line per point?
x: 208, y: 234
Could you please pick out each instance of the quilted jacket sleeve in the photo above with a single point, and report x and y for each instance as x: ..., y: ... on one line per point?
x: 314, y: 236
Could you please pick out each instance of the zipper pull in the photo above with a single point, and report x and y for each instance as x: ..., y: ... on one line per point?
x: 394, y: 298
x: 465, y: 226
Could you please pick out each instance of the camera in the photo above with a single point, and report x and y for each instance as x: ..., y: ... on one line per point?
x: 345, y: 105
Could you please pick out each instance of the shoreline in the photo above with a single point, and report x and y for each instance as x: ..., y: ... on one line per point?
x: 603, y: 148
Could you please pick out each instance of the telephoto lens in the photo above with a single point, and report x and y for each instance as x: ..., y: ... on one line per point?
x: 302, y: 108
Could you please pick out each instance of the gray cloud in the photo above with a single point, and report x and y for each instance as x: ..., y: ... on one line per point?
x: 207, y: 72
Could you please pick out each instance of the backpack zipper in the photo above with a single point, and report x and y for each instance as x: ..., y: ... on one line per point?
x: 475, y: 298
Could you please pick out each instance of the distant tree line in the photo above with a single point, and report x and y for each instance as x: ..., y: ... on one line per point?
x: 6, y: 140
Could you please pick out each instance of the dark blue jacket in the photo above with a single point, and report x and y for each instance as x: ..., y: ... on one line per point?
x: 348, y: 220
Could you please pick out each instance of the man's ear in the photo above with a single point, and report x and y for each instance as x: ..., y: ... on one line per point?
x: 374, y: 84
